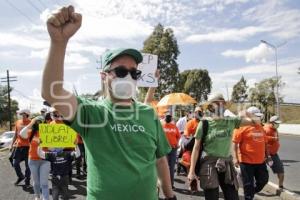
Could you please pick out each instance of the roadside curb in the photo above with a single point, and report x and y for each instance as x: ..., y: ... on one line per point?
x: 283, y: 194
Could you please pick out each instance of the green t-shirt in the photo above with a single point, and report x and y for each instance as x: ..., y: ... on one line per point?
x: 122, y: 146
x: 219, y: 134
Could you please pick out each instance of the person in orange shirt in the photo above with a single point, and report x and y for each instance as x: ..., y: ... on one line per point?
x: 20, y: 148
x: 173, y: 136
x: 39, y: 168
x: 273, y: 147
x: 192, y: 125
x: 249, y: 144
x: 57, y: 118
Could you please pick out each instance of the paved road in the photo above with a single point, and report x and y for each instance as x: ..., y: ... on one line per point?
x: 289, y: 154
x: 78, y: 188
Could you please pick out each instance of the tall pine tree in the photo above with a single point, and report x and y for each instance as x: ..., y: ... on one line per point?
x: 239, y: 93
x: 163, y: 43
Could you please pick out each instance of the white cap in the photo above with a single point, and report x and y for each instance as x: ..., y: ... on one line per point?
x: 255, y: 111
x: 215, y: 97
x: 44, y: 110
x: 26, y: 111
x: 52, y: 110
x: 275, y: 119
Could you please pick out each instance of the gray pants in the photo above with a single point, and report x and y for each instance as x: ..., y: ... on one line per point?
x: 60, y: 187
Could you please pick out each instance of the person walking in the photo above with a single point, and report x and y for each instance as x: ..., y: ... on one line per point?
x: 173, y: 136
x: 273, y: 146
x: 125, y: 142
x: 20, y: 148
x: 213, y: 137
x: 250, y: 153
x: 39, y: 168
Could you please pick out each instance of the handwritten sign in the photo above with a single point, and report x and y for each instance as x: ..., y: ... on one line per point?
x: 57, y: 135
x: 148, y: 68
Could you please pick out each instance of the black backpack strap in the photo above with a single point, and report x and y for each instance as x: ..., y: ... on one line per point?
x: 205, y: 131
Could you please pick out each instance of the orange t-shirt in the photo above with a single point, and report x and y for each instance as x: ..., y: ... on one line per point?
x: 33, y: 154
x: 272, y: 138
x: 252, y: 144
x: 20, y: 142
x: 191, y: 127
x: 172, y: 134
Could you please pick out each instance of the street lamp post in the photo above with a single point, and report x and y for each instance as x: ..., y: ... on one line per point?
x: 277, y: 77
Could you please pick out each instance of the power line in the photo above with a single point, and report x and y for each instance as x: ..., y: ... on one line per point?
x: 20, y: 12
x: 35, y: 7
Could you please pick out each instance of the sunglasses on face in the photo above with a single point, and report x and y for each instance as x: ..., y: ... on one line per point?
x: 122, y: 71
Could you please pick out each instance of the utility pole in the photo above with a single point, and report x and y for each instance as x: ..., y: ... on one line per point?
x: 275, y: 47
x: 7, y: 80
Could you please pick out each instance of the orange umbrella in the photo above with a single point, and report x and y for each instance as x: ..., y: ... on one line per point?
x: 159, y: 110
x: 176, y: 99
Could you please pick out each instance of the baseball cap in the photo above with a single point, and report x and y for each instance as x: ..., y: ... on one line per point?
x: 43, y: 110
x: 255, y: 111
x: 275, y: 119
x: 24, y: 111
x: 214, y: 97
x: 109, y: 55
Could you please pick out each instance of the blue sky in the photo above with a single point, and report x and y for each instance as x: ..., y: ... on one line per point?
x: 221, y: 36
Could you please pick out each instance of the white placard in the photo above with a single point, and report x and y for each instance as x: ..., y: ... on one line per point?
x: 148, y: 68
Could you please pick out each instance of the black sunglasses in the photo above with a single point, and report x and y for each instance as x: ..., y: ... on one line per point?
x: 122, y: 71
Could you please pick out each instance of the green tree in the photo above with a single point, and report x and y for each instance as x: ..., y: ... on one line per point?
x: 196, y: 83
x: 163, y: 43
x: 4, y: 113
x: 239, y: 93
x: 263, y: 94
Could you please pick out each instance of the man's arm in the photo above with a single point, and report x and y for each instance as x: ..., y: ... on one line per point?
x: 194, y: 158
x: 235, y: 154
x: 149, y: 96
x: 164, y: 176
x: 151, y: 91
x: 246, y: 120
x: 61, y: 25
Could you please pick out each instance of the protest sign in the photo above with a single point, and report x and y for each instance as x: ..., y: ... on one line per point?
x: 148, y: 68
x: 57, y: 135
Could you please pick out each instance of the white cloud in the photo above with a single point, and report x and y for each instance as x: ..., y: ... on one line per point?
x: 115, y: 27
x: 255, y: 54
x: 254, y: 73
x: 277, y: 16
x: 226, y: 35
x: 76, y: 58
x: 32, y: 101
x: 15, y: 39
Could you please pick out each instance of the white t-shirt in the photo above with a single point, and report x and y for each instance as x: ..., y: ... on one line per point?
x: 181, y: 123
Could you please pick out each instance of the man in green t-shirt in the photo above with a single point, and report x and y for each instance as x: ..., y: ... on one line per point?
x: 125, y: 143
x: 216, y: 166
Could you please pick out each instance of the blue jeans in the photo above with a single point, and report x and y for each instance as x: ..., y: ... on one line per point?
x: 255, y: 177
x: 40, y: 172
x: 172, y: 161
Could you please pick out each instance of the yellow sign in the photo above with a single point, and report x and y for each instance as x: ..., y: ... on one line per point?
x: 57, y: 135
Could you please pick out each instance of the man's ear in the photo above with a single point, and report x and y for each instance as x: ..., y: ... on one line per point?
x: 103, y: 76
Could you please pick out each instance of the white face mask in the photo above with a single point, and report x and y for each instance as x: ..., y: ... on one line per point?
x: 123, y: 88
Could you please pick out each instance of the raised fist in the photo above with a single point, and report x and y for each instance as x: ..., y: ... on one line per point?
x: 63, y: 24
